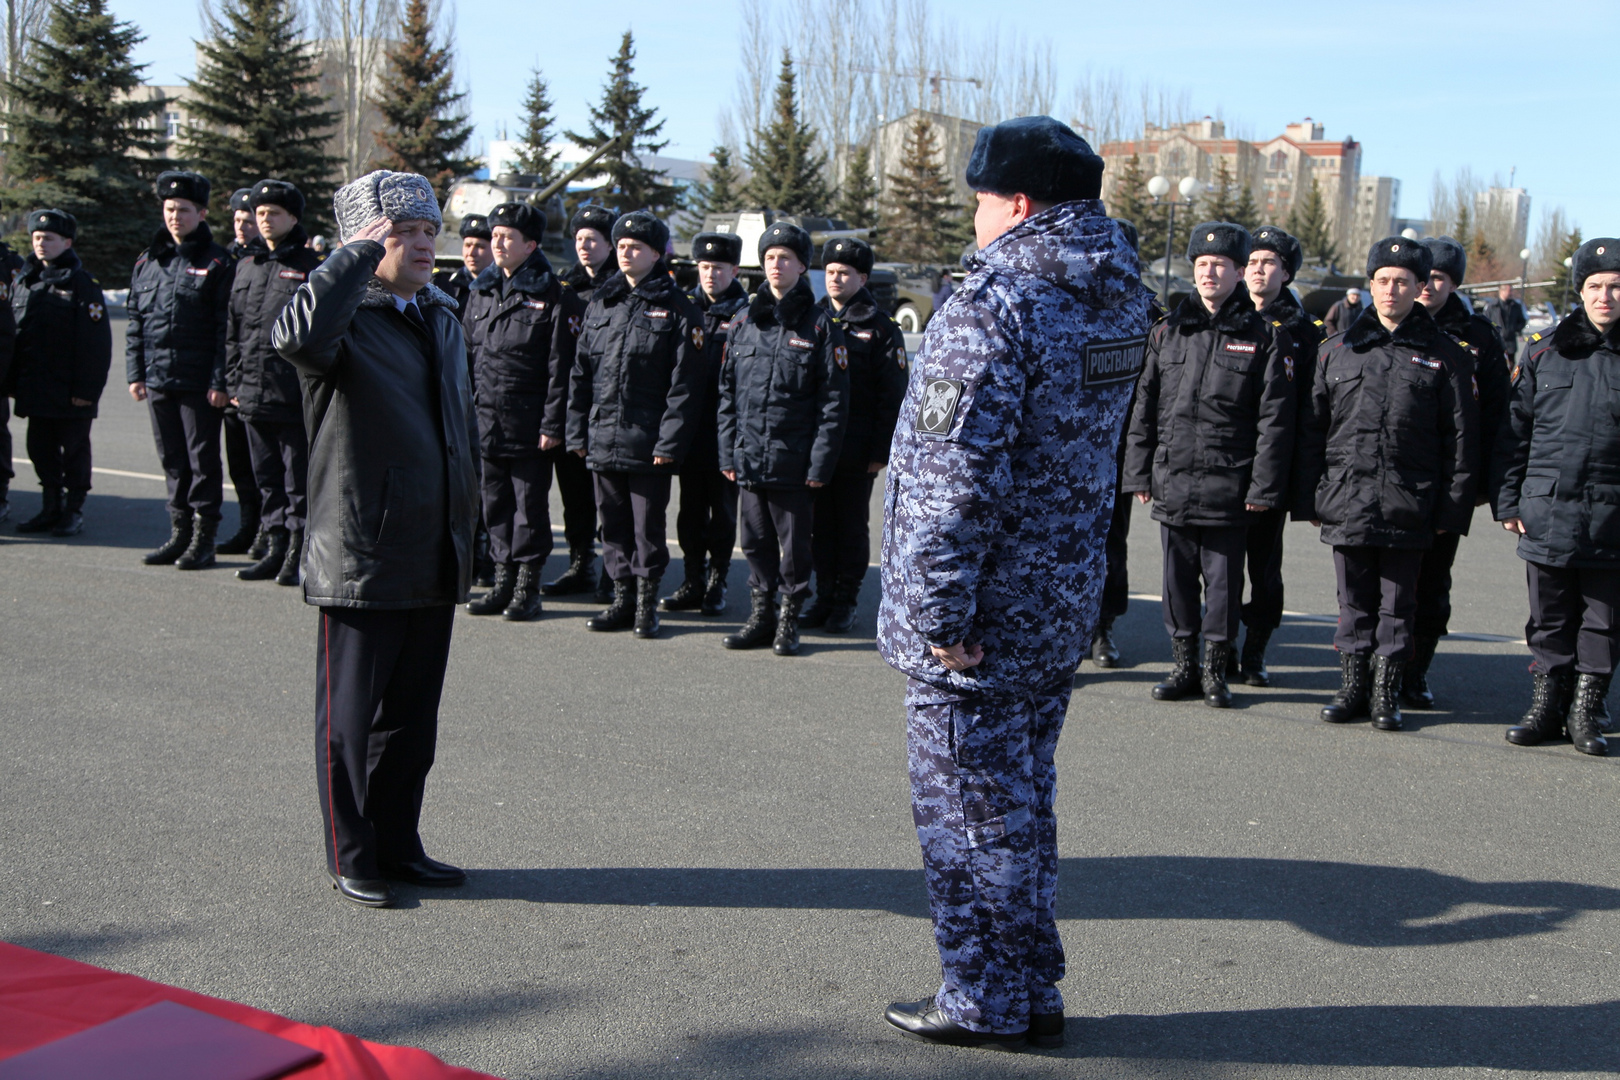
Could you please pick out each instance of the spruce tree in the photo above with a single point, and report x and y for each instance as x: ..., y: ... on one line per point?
x: 1463, y: 231
x: 1246, y: 212
x: 717, y: 193
x: 1220, y: 199
x: 423, y: 132
x: 261, y: 116
x: 1482, y: 261
x: 787, y: 173
x: 1131, y: 201
x: 922, y: 223
x: 81, y: 143
x: 857, y: 199
x: 1308, y: 221
x: 630, y: 185
x: 1561, y: 290
x: 537, y: 157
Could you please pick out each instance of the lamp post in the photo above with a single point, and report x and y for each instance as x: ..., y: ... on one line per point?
x: 1524, y: 278
x: 1159, y: 187
x: 1569, y: 276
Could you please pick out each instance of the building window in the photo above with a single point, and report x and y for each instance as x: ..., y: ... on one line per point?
x: 171, y: 122
x: 1279, y: 162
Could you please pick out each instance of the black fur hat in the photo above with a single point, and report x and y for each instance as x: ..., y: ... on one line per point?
x: 60, y: 222
x: 724, y: 247
x: 853, y: 253
x: 642, y: 225
x: 177, y: 184
x: 1401, y: 253
x: 1600, y: 255
x: 475, y: 225
x: 241, y: 200
x: 279, y: 193
x: 599, y: 218
x: 783, y: 234
x: 1447, y: 256
x: 1128, y: 227
x: 1287, y: 249
x: 526, y: 219
x: 1219, y: 238
x: 1035, y: 156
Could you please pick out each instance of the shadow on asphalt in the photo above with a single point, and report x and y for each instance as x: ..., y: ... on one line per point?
x: 109, y: 521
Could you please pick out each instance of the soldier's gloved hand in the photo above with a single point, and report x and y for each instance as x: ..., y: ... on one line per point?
x: 958, y: 657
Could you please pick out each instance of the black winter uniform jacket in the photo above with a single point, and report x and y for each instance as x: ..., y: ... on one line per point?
x: 579, y: 279
x: 1306, y: 333
x: 521, y: 334
x: 784, y: 391
x: 393, y: 489
x: 12, y: 268
x: 457, y: 284
x: 637, y: 381
x: 1212, y: 427
x: 64, y: 339
x: 179, y: 309
x: 264, y: 385
x: 877, y: 380
x: 1390, y: 440
x: 1487, y: 379
x: 1559, y: 453
x: 717, y: 315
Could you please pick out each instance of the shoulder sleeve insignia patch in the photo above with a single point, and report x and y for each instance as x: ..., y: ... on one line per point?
x: 96, y: 312
x: 841, y: 357
x: 938, y: 410
x: 697, y: 337
x: 900, y: 356
x: 1108, y: 363
x: 1288, y: 367
x: 573, y: 325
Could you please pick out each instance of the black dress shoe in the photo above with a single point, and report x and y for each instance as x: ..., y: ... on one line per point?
x: 1046, y: 1030
x: 370, y: 892
x: 427, y: 872
x: 923, y: 1020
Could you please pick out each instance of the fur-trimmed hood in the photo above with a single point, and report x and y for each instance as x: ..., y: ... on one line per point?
x: 1417, y: 330
x: 765, y: 309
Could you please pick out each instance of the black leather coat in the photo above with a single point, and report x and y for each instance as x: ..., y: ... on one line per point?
x: 63, y: 339
x: 878, y: 372
x: 264, y: 385
x: 179, y: 309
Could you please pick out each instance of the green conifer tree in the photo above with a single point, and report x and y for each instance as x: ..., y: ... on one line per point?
x: 857, y: 198
x: 1561, y: 290
x: 1130, y: 200
x: 787, y: 173
x: 1246, y: 212
x: 1308, y: 222
x: 537, y: 157
x: 719, y: 192
x: 629, y: 184
x: 1462, y: 230
x: 1220, y: 198
x: 422, y: 130
x: 922, y: 223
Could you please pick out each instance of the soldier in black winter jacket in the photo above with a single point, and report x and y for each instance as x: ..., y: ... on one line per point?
x: 1211, y: 435
x: 63, y: 350
x: 476, y: 257
x: 249, y: 537
x: 174, y: 359
x: 12, y: 266
x: 1559, y: 462
x: 1386, y: 462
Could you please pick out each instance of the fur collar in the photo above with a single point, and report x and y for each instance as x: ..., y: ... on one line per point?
x: 1416, y: 331
x: 655, y: 287
x: 1577, y: 338
x: 290, y: 245
x: 765, y: 309
x: 1235, y: 316
x: 192, y: 247
x: 1454, y: 318
x: 430, y: 296
x: 730, y: 301
x: 533, y: 277
x: 58, y: 269
x: 860, y: 311
x: 579, y: 279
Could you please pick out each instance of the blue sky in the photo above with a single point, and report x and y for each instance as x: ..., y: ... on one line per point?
x: 1488, y: 84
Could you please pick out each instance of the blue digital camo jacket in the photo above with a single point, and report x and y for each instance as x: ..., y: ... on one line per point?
x: 1002, y: 476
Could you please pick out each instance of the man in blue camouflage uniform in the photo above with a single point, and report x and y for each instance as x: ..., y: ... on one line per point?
x: 1001, y: 489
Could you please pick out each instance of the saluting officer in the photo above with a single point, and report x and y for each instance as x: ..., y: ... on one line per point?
x: 1211, y: 435
x: 840, y: 539
x: 179, y: 310
x: 249, y: 538
x: 1560, y: 492
x: 12, y: 266
x: 706, y: 523
x: 476, y: 257
x: 784, y: 402
x: 1386, y: 462
x: 521, y: 330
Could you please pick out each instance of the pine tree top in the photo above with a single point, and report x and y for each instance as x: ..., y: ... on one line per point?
x: 537, y: 158
x: 423, y: 132
x: 629, y: 184
x: 787, y: 171
x: 922, y: 222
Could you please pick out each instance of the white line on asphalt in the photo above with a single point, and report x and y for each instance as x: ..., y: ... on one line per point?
x: 1333, y: 620
x: 99, y: 469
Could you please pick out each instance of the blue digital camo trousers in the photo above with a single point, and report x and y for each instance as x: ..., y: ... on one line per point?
x: 982, y: 790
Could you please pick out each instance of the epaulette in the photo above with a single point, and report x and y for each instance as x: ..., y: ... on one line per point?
x: 1276, y: 322
x: 1319, y: 322
x: 1536, y: 336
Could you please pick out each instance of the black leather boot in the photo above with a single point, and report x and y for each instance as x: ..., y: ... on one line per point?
x: 199, y: 555
x: 1350, y: 703
x: 1217, y: 655
x: 525, y: 603
x: 689, y: 597
x: 72, y: 520
x: 288, y: 574
x: 247, y: 531
x: 261, y: 542
x: 760, y: 628
x: 814, y: 614
x: 275, y: 553
x: 714, y: 589
x: 578, y: 578
x: 1415, y: 692
x: 841, y: 616
x: 1253, y: 665
x: 50, y: 512
x: 500, y: 592
x: 1585, y: 729
x: 621, y: 610
x: 646, y: 607
x: 1550, y: 697
x: 1384, y: 701
x: 787, y: 627
x: 1183, y: 680
x: 1104, y: 653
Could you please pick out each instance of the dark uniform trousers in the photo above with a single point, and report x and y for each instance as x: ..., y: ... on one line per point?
x: 186, y: 428
x: 281, y: 464
x: 983, y: 784
x: 1434, y: 587
x: 517, y: 508
x: 841, y: 534
x: 378, y: 677
x: 60, y: 452
x: 7, y: 473
x: 1264, y: 547
x: 1215, y: 554
x: 1377, y: 599
x: 1572, y: 618
x: 632, y: 507
x: 775, y: 525
x: 239, y: 466
x: 706, y: 520
x: 578, y: 493
x: 1116, y: 597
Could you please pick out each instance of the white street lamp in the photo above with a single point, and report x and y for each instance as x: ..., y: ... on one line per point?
x: 1159, y: 187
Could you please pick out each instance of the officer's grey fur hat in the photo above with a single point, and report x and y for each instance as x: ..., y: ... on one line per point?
x: 1600, y: 255
x: 1287, y: 249
x: 1219, y: 238
x: 850, y: 252
x: 397, y: 196
x: 724, y: 247
x: 279, y: 193
x: 1401, y: 253
x: 1447, y: 256
x: 60, y: 222
x: 475, y: 225
x: 178, y: 184
x: 240, y: 200
x: 644, y: 226
x: 600, y: 218
x: 1035, y: 156
x: 786, y: 235
x: 526, y: 219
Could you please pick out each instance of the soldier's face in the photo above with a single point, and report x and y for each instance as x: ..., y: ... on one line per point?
x: 1437, y: 290
x: 476, y: 254
x: 1394, y: 291
x: 844, y: 283
x: 1216, y: 277
x: 782, y: 269
x: 181, y: 217
x: 48, y: 245
x: 636, y: 259
x: 716, y: 277
x: 407, y: 262
x: 245, y: 225
x: 275, y: 222
x: 510, y: 248
x: 592, y: 248
x: 1265, y: 275
x: 1600, y: 296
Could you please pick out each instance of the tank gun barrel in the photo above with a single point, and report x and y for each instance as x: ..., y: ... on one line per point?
x: 568, y: 177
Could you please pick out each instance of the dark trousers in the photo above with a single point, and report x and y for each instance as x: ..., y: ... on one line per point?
x: 239, y: 465
x: 775, y: 525
x: 1377, y: 599
x: 1215, y: 555
x: 281, y: 464
x: 841, y: 533
x: 1116, y: 598
x: 1264, y: 550
x: 6, y: 451
x: 1572, y: 618
x: 632, y: 508
x: 578, y: 493
x: 706, y: 520
x: 60, y: 451
x: 186, y: 428
x: 983, y: 785
x: 378, y: 677
x: 517, y: 509
x: 1434, y: 587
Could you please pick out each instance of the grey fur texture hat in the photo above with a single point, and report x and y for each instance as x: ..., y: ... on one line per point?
x: 1035, y: 156
x: 724, y: 247
x: 847, y: 250
x: 786, y: 235
x: 179, y: 184
x: 1448, y: 257
x: 397, y: 196
x: 526, y: 219
x: 279, y: 193
x: 643, y: 226
x: 1285, y: 247
x: 1402, y: 254
x: 476, y: 225
x: 1599, y: 255
x: 241, y: 200
x: 600, y: 218
x: 60, y: 222
x: 1219, y: 238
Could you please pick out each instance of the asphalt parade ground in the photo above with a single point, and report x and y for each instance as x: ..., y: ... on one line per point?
x: 689, y: 862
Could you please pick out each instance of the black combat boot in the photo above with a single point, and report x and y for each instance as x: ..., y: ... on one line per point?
x: 50, y: 512
x: 814, y: 615
x: 760, y: 628
x: 1549, y: 703
x: 1104, y: 653
x: 200, y: 554
x: 288, y: 574
x: 483, y: 564
x: 1585, y: 731
x: 5, y: 500
x: 261, y: 542
x: 1384, y: 701
x: 579, y: 577
x: 1415, y: 692
x: 525, y: 603
x: 620, y: 613
x: 841, y: 618
x: 787, y: 627
x: 1183, y: 680
x: 646, y: 607
x: 1253, y: 666
x: 689, y: 597
x: 1217, y: 695
x: 72, y: 522
x: 500, y: 593
x: 714, y: 590
x: 275, y: 553
x: 1350, y: 703
x: 241, y: 541
x: 604, y: 586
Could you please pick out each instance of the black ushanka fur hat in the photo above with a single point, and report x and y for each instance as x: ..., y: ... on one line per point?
x: 279, y: 193
x: 241, y: 200
x: 1599, y: 255
x: 847, y: 250
x: 785, y: 235
x: 1401, y: 253
x: 600, y: 218
x: 1448, y: 257
x: 177, y: 184
x: 1035, y: 156
x: 642, y: 225
x: 60, y: 222
x: 526, y: 219
x: 1219, y: 238
x: 476, y: 225
x: 721, y: 247
x: 1271, y: 238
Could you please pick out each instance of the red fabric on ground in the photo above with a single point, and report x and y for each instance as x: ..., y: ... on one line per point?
x: 44, y: 997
